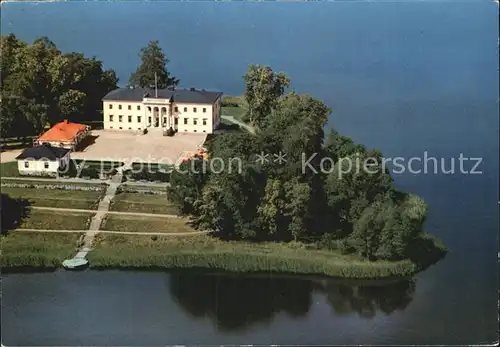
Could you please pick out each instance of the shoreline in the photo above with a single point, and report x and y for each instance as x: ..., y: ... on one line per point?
x: 203, y: 253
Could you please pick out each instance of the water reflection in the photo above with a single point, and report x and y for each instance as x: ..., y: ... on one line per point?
x: 236, y: 303
x: 369, y: 299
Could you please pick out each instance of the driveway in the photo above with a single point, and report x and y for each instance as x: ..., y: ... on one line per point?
x: 130, y: 147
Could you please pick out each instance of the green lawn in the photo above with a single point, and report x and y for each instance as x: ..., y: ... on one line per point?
x: 78, y: 199
x: 204, y: 251
x: 35, y: 249
x: 9, y: 169
x: 144, y: 203
x: 146, y: 224
x: 43, y: 219
x: 239, y: 111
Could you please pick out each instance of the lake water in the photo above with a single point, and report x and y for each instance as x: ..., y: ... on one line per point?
x: 405, y: 77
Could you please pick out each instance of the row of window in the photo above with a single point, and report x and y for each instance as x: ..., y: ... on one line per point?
x: 120, y: 118
x: 139, y: 118
x: 45, y: 164
x: 176, y: 109
x: 121, y: 128
x: 129, y: 107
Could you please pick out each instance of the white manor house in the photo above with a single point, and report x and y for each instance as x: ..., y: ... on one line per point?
x: 183, y: 110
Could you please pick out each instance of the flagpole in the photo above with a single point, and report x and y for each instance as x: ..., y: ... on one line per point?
x: 156, y: 86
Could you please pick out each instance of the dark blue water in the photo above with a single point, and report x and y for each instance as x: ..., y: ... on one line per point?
x: 405, y: 77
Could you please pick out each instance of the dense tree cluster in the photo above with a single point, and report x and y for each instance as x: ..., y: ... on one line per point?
x: 13, y: 211
x: 41, y: 86
x: 350, y: 204
x: 153, y: 69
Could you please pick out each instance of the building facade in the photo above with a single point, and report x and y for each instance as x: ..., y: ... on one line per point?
x: 43, y: 160
x: 184, y: 110
x: 64, y: 134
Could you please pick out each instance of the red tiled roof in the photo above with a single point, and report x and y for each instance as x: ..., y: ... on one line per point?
x: 63, y: 131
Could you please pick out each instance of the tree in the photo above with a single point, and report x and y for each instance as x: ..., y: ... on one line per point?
x: 14, y: 210
x: 40, y: 85
x: 337, y: 146
x: 355, y: 182
x: 186, y: 184
x: 263, y: 88
x: 72, y: 104
x: 271, y: 210
x: 153, y: 61
x: 368, y: 228
x: 298, y: 197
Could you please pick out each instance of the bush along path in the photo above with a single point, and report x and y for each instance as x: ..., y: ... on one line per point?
x: 123, y: 213
x: 95, y: 223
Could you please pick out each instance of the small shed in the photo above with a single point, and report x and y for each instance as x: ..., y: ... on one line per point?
x: 43, y: 160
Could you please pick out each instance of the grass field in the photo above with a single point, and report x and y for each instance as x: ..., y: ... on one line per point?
x: 238, y: 107
x: 33, y: 249
x: 144, y: 203
x: 203, y: 251
x: 9, y: 169
x: 43, y: 219
x: 78, y: 199
x: 146, y: 224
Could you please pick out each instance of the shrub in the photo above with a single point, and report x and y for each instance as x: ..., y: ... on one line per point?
x: 170, y: 132
x: 345, y: 247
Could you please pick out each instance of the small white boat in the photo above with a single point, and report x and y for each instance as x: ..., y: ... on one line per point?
x: 75, y: 263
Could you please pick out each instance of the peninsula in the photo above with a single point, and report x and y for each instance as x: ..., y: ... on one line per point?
x: 266, y: 188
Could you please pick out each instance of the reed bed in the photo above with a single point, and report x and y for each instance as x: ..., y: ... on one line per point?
x: 36, y: 250
x: 204, y: 251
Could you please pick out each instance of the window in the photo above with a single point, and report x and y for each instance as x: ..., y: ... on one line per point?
x: 119, y: 107
x: 120, y: 118
x: 176, y: 109
x: 129, y: 107
x: 138, y: 119
x: 130, y: 119
x: 121, y: 128
x: 129, y: 128
x: 204, y: 110
x: 26, y: 164
x: 185, y: 121
x: 204, y: 121
x: 139, y: 129
x: 110, y: 106
x: 204, y: 131
x: 138, y: 108
x: 149, y: 120
x: 195, y: 121
x: 194, y: 109
x: 111, y: 118
x: 111, y: 127
x: 46, y: 164
x: 185, y: 130
x: 185, y: 109
x: 176, y: 121
x: 164, y: 120
x: 194, y: 130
